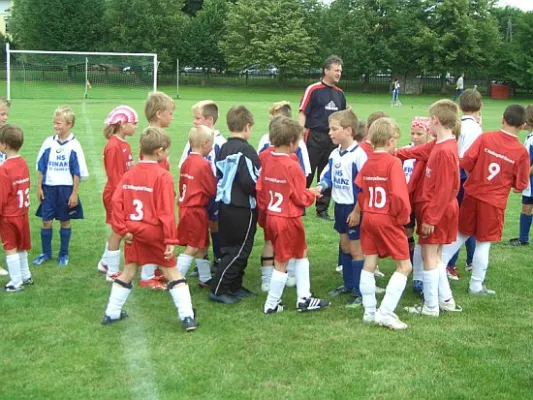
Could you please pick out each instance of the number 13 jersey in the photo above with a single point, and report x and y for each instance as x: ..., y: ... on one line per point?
x: 14, y: 187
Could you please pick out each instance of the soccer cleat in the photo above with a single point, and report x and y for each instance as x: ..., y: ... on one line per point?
x: 243, y: 293
x: 378, y: 273
x: 324, y: 215
x: 418, y: 286
x: 483, y: 292
x: 101, y: 267
x: 223, y: 298
x: 291, y: 281
x: 453, y: 275
x: 450, y: 306
x: 369, y: 317
x: 62, y: 261
x: 338, y: 269
x: 354, y: 302
x: 468, y: 268
x: 108, y: 320
x: 339, y: 291
x: 380, y: 290
x: 280, y: 307
x: 152, y: 284
x: 389, y: 320
x: 28, y: 282
x: 311, y: 304
x: 189, y: 324
x: 205, y: 285
x: 9, y: 287
x: 517, y: 242
x: 422, y: 309
x: 194, y: 273
x: 3, y: 272
x: 112, y: 277
x: 41, y: 258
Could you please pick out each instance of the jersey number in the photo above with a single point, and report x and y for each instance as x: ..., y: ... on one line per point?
x: 275, y: 200
x: 378, y: 197
x: 24, y: 198
x: 494, y: 169
x: 183, y: 191
x: 139, y: 214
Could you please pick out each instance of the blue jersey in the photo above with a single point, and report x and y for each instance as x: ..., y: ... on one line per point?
x: 301, y: 152
x: 528, y: 192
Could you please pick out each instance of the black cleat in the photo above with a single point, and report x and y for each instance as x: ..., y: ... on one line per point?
x: 108, y: 320
x: 243, y: 293
x: 339, y: 291
x: 312, y: 304
x: 189, y: 324
x: 194, y: 273
x: 324, y: 215
x: 28, y: 282
x: 10, y: 288
x: 280, y: 307
x: 517, y: 242
x: 223, y: 298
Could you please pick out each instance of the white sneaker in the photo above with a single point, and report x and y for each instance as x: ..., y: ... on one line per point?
x: 369, y: 317
x: 3, y: 272
x: 380, y: 290
x: 483, y: 292
x: 378, y: 273
x: 338, y: 268
x: 265, y: 286
x: 389, y: 320
x: 102, y: 267
x: 291, y: 281
x: 422, y: 309
x: 450, y: 306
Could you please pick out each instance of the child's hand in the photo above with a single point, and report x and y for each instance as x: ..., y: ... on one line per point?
x: 316, y: 191
x: 169, y: 251
x: 427, y: 229
x: 40, y: 194
x: 354, y: 219
x: 73, y: 200
x: 128, y: 238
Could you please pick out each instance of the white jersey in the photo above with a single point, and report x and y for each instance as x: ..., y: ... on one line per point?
x: 60, y: 161
x: 470, y: 131
x: 301, y: 152
x: 219, y: 140
x: 2, y: 158
x: 528, y: 192
x: 408, y: 165
x: 340, y: 173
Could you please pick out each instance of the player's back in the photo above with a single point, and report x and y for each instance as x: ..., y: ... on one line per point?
x: 15, y: 187
x: 197, y: 182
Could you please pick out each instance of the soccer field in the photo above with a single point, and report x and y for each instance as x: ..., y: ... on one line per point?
x: 53, y: 345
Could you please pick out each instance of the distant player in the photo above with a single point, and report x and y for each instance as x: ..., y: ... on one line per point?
x: 495, y: 163
x: 395, y: 94
x: 61, y: 166
x: 4, y: 114
x: 14, y: 206
x: 119, y: 125
x: 143, y: 213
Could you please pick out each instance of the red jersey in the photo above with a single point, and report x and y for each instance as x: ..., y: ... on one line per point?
x: 441, y: 181
x: 265, y: 155
x: 164, y: 163
x: 367, y: 147
x: 383, y: 187
x: 14, y: 187
x: 281, y: 187
x: 421, y: 155
x: 197, y: 182
x: 145, y: 196
x: 495, y: 163
x: 117, y: 160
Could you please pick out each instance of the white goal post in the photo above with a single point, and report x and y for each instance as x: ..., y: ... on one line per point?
x: 26, y: 67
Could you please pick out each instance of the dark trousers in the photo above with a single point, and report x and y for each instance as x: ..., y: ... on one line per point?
x: 237, y: 228
x: 319, y: 147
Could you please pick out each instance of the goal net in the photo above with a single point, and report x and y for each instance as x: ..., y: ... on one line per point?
x: 77, y: 75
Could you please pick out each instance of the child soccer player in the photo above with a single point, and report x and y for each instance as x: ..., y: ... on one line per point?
x: 4, y: 113
x: 344, y: 164
x: 527, y: 194
x: 119, y: 124
x: 143, y: 213
x: 495, y: 163
x: 14, y: 206
x: 197, y: 187
x: 238, y: 167
x: 384, y: 201
x: 61, y: 165
x: 282, y: 196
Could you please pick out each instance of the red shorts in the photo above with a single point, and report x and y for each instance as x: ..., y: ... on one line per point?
x: 148, y: 247
x: 261, y: 221
x: 193, y: 227
x: 381, y: 235
x: 15, y: 233
x: 445, y: 232
x: 108, y: 204
x: 480, y: 219
x: 287, y: 236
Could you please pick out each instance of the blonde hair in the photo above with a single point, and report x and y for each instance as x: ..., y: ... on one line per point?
x: 382, y: 130
x: 157, y: 102
x: 4, y: 102
x: 284, y: 131
x: 208, y: 108
x: 281, y: 108
x: 238, y: 117
x: 152, y: 139
x: 346, y: 119
x: 66, y: 113
x: 199, y: 135
x: 446, y: 111
x: 111, y: 130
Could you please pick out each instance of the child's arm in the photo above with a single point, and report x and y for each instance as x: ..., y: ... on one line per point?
x: 325, y: 176
x: 420, y: 153
x: 164, y: 204
x: 469, y: 159
x: 354, y: 218
x: 118, y: 220
x: 40, y: 193
x: 305, y: 158
x: 400, y: 207
x: 73, y: 199
x: 522, y: 172
x: 444, y: 182
x: 114, y: 166
x: 248, y: 171
x: 301, y: 196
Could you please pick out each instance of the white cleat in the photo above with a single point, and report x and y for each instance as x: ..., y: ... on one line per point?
x: 102, y: 267
x: 3, y: 272
x: 450, y: 306
x: 422, y: 309
x: 291, y: 281
x: 483, y: 292
x: 390, y: 321
x: 369, y: 317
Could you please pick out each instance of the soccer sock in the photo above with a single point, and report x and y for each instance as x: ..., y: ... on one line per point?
x: 215, y: 241
x: 184, y: 263
x: 418, y: 265
x: 13, y: 266
x: 182, y: 300
x: 470, y: 245
x: 411, y: 243
x: 303, y: 281
x: 64, y: 234
x: 347, y: 270
x: 113, y: 262
x: 431, y: 287
x: 204, y: 269
x: 453, y: 260
x: 357, y: 267
x: 525, y: 225
x: 394, y: 292
x: 444, y: 291
x: 480, y: 263
x: 104, y: 259
x: 450, y: 249
x: 368, y: 291
x: 119, y: 295
x: 24, y: 267
x: 46, y: 241
x: 291, y: 267
x: 148, y: 271
x: 277, y: 284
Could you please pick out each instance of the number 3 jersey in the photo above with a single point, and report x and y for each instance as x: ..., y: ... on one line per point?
x: 14, y: 187
x: 197, y: 182
x: 495, y: 163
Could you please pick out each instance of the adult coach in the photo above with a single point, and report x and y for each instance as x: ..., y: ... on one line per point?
x: 319, y: 101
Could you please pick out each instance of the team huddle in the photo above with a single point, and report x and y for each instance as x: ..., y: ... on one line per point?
x: 451, y: 183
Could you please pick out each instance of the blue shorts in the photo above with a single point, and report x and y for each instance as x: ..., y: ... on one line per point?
x: 55, y: 204
x: 527, y: 200
x: 341, y: 215
x: 212, y: 209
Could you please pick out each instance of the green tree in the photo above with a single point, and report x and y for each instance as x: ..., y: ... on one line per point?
x: 192, y: 7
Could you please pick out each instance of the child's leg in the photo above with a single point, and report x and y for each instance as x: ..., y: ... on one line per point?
x: 479, y: 266
x: 470, y: 249
x: 215, y: 239
x: 368, y: 286
x: 346, y: 261
x: 277, y: 284
x: 179, y: 290
x: 418, y: 264
x: 450, y: 249
x: 525, y: 222
x: 411, y: 242
x: 46, y: 238
x: 186, y: 258
x: 64, y: 234
x: 356, y: 263
x: 24, y: 267
x: 204, y: 266
x: 267, y: 265
x: 113, y: 253
x: 453, y: 260
x: 445, y: 291
x: 303, y: 280
x: 120, y: 291
x: 431, y: 275
x: 396, y: 286
x: 15, y: 274
x: 291, y: 268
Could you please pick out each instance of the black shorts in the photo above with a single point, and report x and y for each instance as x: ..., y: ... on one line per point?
x: 527, y: 200
x: 412, y: 222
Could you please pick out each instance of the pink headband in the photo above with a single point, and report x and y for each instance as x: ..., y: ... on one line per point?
x: 121, y: 114
x: 420, y: 123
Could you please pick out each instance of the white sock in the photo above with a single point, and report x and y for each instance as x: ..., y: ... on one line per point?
x: 119, y: 295
x: 24, y: 267
x: 266, y: 273
x: 277, y: 284
x: 418, y: 264
x: 13, y: 266
x: 291, y: 267
x: 148, y: 271
x: 184, y: 263
x: 103, y: 260
x: 113, y: 262
x: 431, y: 287
x: 445, y: 291
x: 303, y: 281
x: 367, y: 287
x: 204, y: 269
x: 449, y: 250
x: 394, y: 292
x: 480, y: 263
x: 182, y: 300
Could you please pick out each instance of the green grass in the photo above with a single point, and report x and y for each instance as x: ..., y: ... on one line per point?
x: 53, y: 345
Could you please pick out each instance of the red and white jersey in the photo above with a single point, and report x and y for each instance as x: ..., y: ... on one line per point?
x: 145, y: 196
x: 197, y: 182
x: 117, y: 160
x: 367, y: 147
x: 281, y: 187
x: 264, y: 156
x: 441, y: 180
x: 383, y: 187
x: 164, y: 163
x: 14, y: 187
x: 495, y: 163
